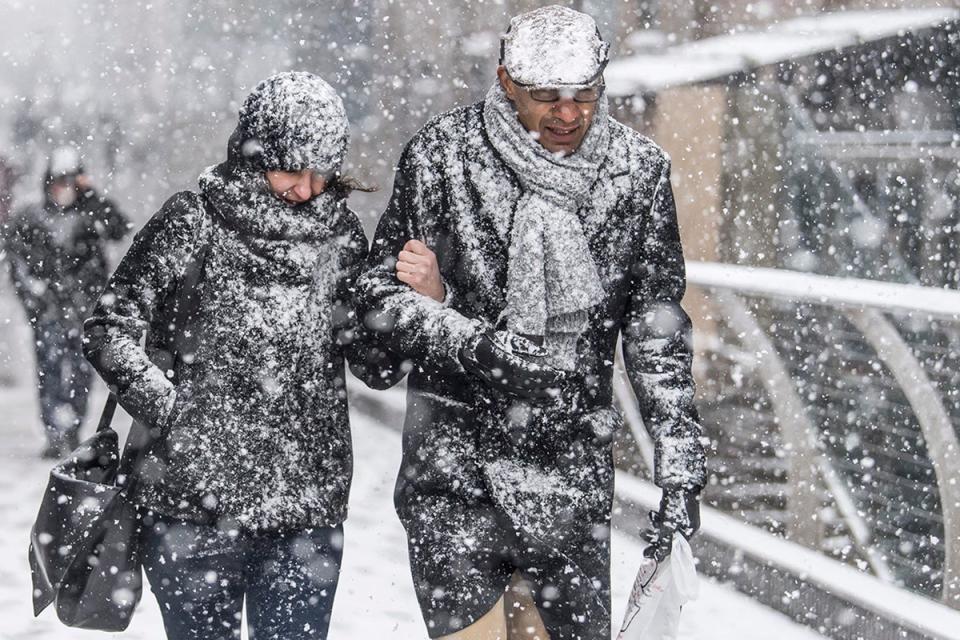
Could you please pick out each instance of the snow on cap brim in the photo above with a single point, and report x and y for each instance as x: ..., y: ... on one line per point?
x: 64, y: 161
x: 554, y: 47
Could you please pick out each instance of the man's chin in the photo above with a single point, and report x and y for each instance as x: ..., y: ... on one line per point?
x: 561, y: 149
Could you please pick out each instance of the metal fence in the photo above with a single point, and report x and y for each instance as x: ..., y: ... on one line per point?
x: 832, y: 408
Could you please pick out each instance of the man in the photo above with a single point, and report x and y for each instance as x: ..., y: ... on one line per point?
x: 57, y: 253
x: 7, y: 178
x: 554, y: 230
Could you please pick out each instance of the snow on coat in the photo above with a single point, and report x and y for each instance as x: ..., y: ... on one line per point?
x: 453, y: 192
x: 250, y: 426
x: 256, y: 429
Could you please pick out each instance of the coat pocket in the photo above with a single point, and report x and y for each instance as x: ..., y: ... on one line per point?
x: 560, y: 501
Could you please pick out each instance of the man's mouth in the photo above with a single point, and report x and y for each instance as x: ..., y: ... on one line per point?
x: 562, y: 133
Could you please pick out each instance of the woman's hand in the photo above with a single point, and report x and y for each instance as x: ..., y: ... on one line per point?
x: 417, y: 266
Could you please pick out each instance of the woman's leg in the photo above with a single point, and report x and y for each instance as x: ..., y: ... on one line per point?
x: 513, y: 617
x: 293, y: 580
x: 523, y: 618
x: 196, y: 574
x: 491, y: 626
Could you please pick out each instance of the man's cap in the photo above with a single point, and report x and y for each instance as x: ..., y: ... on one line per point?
x: 554, y: 47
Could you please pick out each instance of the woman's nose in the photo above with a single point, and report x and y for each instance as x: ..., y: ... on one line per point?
x: 302, y: 188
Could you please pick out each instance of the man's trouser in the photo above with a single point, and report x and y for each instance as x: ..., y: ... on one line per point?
x: 63, y: 380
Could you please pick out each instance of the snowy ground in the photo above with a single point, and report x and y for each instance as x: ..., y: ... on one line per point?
x: 375, y: 598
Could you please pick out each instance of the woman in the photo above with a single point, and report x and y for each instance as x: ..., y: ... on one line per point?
x: 245, y: 477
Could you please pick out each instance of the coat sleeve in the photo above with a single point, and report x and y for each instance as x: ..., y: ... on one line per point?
x: 134, y: 295
x: 112, y: 223
x: 410, y: 325
x: 657, y: 347
x: 22, y: 254
x: 376, y: 367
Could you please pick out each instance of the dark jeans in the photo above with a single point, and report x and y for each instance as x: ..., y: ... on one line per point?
x: 63, y: 380
x: 201, y: 574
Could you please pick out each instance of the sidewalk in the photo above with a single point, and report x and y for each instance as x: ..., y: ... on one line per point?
x: 375, y: 598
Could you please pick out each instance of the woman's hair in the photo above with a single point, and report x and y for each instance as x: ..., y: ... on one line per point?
x: 345, y: 185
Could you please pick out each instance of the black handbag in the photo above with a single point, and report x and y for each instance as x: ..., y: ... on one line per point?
x: 85, y: 543
x: 84, y: 551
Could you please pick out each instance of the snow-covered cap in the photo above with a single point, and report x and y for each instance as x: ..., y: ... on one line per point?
x: 64, y: 162
x: 292, y: 121
x: 554, y: 47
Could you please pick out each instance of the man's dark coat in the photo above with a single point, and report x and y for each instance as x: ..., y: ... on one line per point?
x: 453, y: 192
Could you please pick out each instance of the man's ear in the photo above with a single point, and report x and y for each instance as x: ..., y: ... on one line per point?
x: 508, y: 87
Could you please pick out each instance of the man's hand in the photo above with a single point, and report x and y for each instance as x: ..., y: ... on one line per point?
x: 679, y: 511
x: 83, y: 182
x: 511, y: 364
x: 417, y: 266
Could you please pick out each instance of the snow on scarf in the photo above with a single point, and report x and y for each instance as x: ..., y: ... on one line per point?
x: 552, y: 280
x: 265, y: 241
x: 267, y: 226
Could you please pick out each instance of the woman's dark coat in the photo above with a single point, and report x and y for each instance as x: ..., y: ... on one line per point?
x: 250, y: 423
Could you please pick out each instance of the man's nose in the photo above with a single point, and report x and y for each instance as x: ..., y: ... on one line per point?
x: 567, y: 110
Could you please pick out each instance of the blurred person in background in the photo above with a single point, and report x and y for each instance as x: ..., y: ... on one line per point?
x: 7, y: 178
x: 525, y: 234
x: 57, y: 252
x: 8, y: 175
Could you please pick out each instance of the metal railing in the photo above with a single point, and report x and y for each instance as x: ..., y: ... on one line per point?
x: 838, y: 380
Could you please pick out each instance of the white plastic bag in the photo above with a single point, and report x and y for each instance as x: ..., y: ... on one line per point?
x: 653, y: 611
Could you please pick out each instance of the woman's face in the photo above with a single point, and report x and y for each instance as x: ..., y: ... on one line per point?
x: 296, y: 187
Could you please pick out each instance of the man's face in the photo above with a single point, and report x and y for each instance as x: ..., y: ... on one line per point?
x: 559, y: 126
x: 63, y: 191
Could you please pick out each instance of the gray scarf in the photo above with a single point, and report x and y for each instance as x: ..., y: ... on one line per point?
x: 552, y: 281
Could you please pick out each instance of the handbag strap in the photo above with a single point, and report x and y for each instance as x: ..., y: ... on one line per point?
x: 186, y: 304
x: 109, y: 409
x: 187, y: 301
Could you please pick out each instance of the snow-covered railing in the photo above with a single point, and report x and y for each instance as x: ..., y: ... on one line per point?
x: 829, y: 596
x: 864, y: 304
x: 833, y: 291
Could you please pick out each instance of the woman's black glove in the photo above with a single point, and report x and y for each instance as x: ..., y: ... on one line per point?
x: 679, y: 511
x: 513, y: 365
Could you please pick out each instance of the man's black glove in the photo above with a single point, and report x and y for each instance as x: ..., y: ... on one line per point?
x: 513, y: 365
x: 679, y: 511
